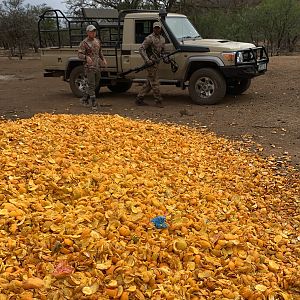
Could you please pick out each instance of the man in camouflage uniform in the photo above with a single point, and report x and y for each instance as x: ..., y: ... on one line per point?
x: 90, y: 51
x: 151, y: 50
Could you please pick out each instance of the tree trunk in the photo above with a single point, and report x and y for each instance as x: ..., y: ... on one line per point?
x: 20, y: 49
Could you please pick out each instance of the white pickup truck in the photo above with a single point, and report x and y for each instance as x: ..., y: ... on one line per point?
x: 209, y: 68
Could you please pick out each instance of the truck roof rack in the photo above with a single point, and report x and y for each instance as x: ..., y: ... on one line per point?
x: 70, y: 31
x: 64, y: 30
x: 123, y: 13
x: 100, y: 13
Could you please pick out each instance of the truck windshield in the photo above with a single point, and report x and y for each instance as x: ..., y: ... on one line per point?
x: 182, y: 28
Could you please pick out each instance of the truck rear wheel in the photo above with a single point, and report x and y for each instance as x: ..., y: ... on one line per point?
x: 238, y: 87
x: 207, y: 86
x: 120, y: 87
x: 78, y: 82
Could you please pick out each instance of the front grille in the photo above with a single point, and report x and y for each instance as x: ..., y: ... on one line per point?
x: 254, y: 55
x: 249, y: 56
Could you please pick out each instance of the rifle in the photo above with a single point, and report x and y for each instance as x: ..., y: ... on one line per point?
x: 166, y: 58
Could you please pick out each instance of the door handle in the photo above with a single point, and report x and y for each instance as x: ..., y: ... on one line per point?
x: 126, y: 59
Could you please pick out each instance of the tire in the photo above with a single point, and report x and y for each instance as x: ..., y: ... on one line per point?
x: 207, y: 86
x: 238, y: 87
x: 120, y: 87
x: 78, y: 82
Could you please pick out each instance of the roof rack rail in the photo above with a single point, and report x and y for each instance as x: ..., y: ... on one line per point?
x: 68, y: 30
x: 100, y: 13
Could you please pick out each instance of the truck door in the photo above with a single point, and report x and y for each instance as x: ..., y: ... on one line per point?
x: 142, y: 29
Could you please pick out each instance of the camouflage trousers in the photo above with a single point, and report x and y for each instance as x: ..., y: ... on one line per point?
x: 151, y: 83
x: 93, y: 81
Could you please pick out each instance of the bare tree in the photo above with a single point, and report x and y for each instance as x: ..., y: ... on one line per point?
x: 18, y: 26
x: 13, y: 27
x: 75, y: 6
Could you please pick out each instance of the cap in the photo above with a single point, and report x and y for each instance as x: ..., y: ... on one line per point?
x: 156, y: 24
x: 90, y: 28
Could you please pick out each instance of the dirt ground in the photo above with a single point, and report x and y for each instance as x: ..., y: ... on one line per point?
x: 268, y: 114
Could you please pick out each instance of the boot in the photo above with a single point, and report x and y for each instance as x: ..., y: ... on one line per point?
x: 159, y: 104
x: 93, y: 101
x: 140, y: 102
x: 84, y: 100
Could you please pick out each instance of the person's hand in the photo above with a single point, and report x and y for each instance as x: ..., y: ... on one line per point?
x: 88, y: 60
x: 166, y: 60
x: 103, y: 63
x: 149, y: 62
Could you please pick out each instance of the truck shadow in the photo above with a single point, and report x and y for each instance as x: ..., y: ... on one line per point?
x: 178, y: 98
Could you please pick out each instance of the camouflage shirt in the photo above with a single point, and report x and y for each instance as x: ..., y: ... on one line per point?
x: 91, y: 48
x: 152, y: 47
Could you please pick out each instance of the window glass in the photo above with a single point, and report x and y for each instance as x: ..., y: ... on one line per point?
x: 143, y: 28
x: 182, y: 28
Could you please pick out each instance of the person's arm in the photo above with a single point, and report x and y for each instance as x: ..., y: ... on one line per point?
x: 101, y: 56
x: 146, y: 43
x: 81, y: 51
x: 163, y: 44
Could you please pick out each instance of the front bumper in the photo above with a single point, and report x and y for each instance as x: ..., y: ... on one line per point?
x: 248, y: 63
x: 242, y: 71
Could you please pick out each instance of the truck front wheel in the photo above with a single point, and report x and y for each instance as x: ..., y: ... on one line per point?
x: 207, y: 86
x: 238, y: 87
x: 78, y: 82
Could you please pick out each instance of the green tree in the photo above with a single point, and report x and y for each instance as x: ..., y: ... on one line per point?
x: 216, y: 23
x: 248, y: 25
x: 279, y: 22
x: 274, y: 23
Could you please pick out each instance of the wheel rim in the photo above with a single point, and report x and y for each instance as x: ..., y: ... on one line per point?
x: 81, y: 83
x: 205, y: 87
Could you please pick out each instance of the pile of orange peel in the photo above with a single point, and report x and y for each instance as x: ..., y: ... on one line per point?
x: 77, y: 195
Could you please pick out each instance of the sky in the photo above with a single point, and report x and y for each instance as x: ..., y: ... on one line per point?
x: 55, y: 4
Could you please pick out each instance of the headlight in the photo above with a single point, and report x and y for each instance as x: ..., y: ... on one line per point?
x: 239, y: 57
x: 231, y: 56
